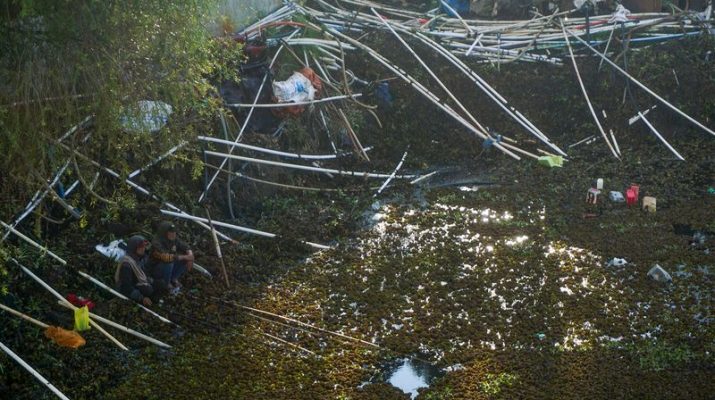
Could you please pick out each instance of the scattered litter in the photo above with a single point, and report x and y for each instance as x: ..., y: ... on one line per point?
x: 592, y: 195
x: 617, y: 262
x: 114, y: 250
x: 540, y: 336
x: 658, y: 274
x: 296, y: 89
x: 649, y: 203
x: 551, y: 161
x: 81, y: 319
x: 146, y: 116
x: 79, y: 301
x: 616, y: 197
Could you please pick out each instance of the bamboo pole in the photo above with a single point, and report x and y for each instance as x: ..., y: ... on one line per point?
x: 642, y: 86
x: 309, y: 168
x: 121, y: 296
x: 67, y: 303
x: 297, y: 103
x: 33, y: 243
x: 158, y: 159
x: 218, y: 247
x: 34, y: 373
x: 306, y: 325
x: 239, y: 228
x: 120, y: 327
x: 288, y: 343
x: 585, y: 94
x: 662, y: 139
x: 276, y: 152
x: 615, y: 143
x: 24, y: 316
x: 392, y: 175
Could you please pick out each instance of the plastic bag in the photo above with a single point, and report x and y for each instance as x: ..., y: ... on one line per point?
x: 297, y: 89
x: 146, y: 115
x: 81, y: 319
x: 64, y: 337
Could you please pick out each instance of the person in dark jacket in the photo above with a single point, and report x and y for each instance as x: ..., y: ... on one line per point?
x: 130, y: 276
x: 170, y: 256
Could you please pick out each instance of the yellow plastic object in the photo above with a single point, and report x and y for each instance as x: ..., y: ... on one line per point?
x: 649, y: 204
x: 551, y: 161
x: 64, y: 337
x: 81, y: 319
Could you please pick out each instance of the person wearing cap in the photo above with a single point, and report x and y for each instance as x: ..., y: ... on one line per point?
x: 130, y: 276
x: 170, y: 256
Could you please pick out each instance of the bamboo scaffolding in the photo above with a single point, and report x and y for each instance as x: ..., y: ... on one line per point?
x: 288, y: 343
x: 239, y: 228
x: 642, y: 86
x: 23, y: 316
x: 34, y: 373
x: 119, y: 326
x: 68, y: 304
x: 245, y: 122
x: 585, y: 95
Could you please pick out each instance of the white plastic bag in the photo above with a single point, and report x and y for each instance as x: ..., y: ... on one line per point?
x: 112, y: 250
x: 296, y: 89
x: 145, y: 116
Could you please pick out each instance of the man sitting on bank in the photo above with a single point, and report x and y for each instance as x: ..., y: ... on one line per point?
x: 170, y: 257
x: 130, y: 276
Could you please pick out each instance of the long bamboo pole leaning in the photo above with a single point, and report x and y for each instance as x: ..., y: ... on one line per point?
x: 642, y: 86
x: 67, y: 303
x: 392, y: 175
x: 23, y: 316
x: 276, y: 152
x: 658, y: 135
x: 119, y: 326
x: 34, y: 373
x: 585, y: 94
x: 43, y: 249
x: 356, y: 174
x: 240, y: 228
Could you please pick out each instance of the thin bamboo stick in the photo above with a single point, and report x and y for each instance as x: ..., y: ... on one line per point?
x: 238, y: 228
x: 308, y: 168
x: 120, y: 327
x: 34, y: 373
x: 158, y: 159
x: 662, y: 139
x: 67, y: 303
x: 307, y: 325
x: 33, y: 243
x: 276, y: 152
x: 297, y: 103
x: 615, y: 143
x: 24, y: 316
x: 392, y: 175
x: 288, y: 343
x: 218, y: 247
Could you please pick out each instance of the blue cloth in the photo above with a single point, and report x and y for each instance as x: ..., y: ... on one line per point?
x: 460, y: 6
x: 169, y: 272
